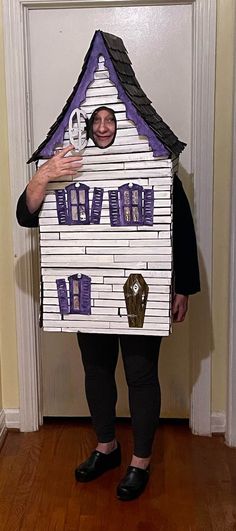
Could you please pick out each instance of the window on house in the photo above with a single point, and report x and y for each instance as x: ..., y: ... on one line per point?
x: 78, y: 204
x: 78, y: 129
x: 79, y: 295
x: 74, y: 294
x: 131, y: 204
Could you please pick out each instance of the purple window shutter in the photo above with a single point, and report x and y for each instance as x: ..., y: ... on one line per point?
x: 62, y: 296
x: 85, y: 295
x: 114, y: 208
x: 148, y: 207
x: 96, y: 205
x: 61, y: 207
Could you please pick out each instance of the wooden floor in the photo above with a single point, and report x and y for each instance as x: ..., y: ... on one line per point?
x: 192, y: 484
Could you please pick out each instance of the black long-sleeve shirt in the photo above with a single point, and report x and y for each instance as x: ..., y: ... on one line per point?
x: 186, y: 270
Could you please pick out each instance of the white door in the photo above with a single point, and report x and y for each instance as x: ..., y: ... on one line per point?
x: 159, y: 43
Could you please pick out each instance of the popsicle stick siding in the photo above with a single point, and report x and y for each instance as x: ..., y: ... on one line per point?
x: 104, y: 245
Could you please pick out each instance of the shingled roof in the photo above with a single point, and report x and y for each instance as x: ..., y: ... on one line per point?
x: 138, y: 106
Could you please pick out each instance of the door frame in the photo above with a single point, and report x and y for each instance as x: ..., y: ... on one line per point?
x: 230, y: 435
x: 15, y: 17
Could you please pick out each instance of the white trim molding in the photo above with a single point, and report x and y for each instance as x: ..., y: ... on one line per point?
x: 9, y: 420
x: 3, y: 428
x: 15, y: 26
x: 231, y: 406
x: 218, y: 422
x: 203, y: 146
x: 23, y: 242
x: 12, y: 419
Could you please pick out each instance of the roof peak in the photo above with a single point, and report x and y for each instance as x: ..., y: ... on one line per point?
x: 138, y: 106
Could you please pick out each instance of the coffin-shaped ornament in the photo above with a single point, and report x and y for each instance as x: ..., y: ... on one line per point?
x: 136, y: 294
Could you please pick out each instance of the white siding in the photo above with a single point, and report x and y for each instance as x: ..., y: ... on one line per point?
x: 109, y: 254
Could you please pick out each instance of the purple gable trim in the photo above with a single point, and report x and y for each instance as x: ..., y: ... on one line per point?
x: 99, y: 48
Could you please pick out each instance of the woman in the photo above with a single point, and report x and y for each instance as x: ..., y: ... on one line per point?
x: 100, y: 351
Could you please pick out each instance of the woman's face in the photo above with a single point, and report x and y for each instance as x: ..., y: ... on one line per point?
x: 103, y: 128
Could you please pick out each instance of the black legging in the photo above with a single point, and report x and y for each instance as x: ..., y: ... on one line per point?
x: 140, y: 359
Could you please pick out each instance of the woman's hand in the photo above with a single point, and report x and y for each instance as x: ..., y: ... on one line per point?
x: 58, y: 166
x: 179, y: 307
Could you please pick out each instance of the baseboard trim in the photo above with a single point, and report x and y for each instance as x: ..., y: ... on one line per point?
x: 3, y: 428
x: 47, y: 419
x: 218, y: 422
x: 12, y: 418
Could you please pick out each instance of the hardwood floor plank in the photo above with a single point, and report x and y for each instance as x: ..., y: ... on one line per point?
x: 192, y: 484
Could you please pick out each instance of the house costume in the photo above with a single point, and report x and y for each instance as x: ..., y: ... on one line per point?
x: 130, y: 206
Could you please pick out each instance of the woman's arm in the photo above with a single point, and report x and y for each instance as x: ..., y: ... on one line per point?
x: 24, y: 217
x: 186, y: 270
x: 31, y: 200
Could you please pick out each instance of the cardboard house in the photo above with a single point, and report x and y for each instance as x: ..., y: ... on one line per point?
x: 106, y: 234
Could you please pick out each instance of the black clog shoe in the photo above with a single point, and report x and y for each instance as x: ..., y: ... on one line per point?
x: 133, y: 483
x: 97, y: 464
